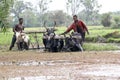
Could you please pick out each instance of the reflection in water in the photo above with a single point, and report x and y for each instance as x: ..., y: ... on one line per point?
x: 108, y: 70
x: 37, y: 63
x: 72, y: 71
x: 39, y: 78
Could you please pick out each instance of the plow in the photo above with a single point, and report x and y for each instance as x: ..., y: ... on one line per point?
x: 53, y: 42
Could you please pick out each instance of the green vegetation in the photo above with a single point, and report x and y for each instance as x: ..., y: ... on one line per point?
x: 106, y: 20
x: 4, y: 13
x: 89, y: 14
x: 100, y: 47
x: 5, y: 38
x: 102, y: 34
x: 100, y: 38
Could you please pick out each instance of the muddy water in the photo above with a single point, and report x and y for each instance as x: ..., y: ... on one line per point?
x: 38, y: 78
x: 104, y: 70
x: 58, y: 70
x: 37, y: 63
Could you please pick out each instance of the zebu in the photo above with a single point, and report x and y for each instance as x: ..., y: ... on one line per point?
x: 22, y: 41
x: 52, y: 42
x: 73, y: 42
x: 58, y: 43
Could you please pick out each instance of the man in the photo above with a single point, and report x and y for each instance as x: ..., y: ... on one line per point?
x: 18, y: 28
x: 78, y: 26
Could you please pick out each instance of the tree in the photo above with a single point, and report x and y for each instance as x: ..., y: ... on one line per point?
x: 58, y: 16
x: 19, y: 7
x: 96, y: 19
x: 86, y: 9
x: 73, y: 6
x: 91, y: 8
x: 4, y: 12
x: 115, y: 19
x: 106, y: 20
x: 43, y: 7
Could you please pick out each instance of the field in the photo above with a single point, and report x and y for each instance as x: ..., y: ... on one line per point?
x: 97, y: 39
x: 99, y: 60
x: 36, y: 65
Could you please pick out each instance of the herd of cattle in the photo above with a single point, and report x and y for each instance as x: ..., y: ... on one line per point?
x: 53, y: 42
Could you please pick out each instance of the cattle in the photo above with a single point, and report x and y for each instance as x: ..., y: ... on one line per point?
x: 58, y: 43
x: 73, y: 42
x: 52, y: 42
x: 22, y: 41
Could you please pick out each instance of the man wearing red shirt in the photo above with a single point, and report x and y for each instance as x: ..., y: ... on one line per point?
x: 78, y: 26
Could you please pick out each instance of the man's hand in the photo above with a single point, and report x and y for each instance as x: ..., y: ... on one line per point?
x: 88, y: 32
x: 63, y: 33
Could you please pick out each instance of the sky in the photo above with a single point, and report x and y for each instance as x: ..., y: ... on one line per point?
x: 107, y: 5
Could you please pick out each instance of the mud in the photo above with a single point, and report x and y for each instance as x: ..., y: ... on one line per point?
x: 30, y: 65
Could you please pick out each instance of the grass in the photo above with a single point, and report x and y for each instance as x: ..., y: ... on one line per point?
x: 5, y: 38
x: 99, y: 31
x: 95, y: 32
x: 100, y: 47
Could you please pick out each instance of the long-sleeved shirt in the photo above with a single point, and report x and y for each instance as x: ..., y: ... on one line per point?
x: 74, y: 25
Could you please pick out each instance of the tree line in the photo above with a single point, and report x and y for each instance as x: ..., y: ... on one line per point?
x: 36, y: 16
x: 87, y: 10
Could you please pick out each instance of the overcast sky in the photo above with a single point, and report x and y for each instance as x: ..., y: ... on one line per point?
x: 107, y: 5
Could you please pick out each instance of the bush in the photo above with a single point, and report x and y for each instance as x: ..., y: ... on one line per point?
x: 116, y: 22
x: 106, y: 20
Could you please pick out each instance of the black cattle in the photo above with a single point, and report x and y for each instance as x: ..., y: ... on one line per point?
x: 73, y: 43
x: 53, y: 44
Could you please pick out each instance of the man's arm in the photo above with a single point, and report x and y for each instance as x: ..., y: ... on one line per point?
x: 68, y: 29
x: 23, y: 29
x: 14, y: 28
x: 84, y: 26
